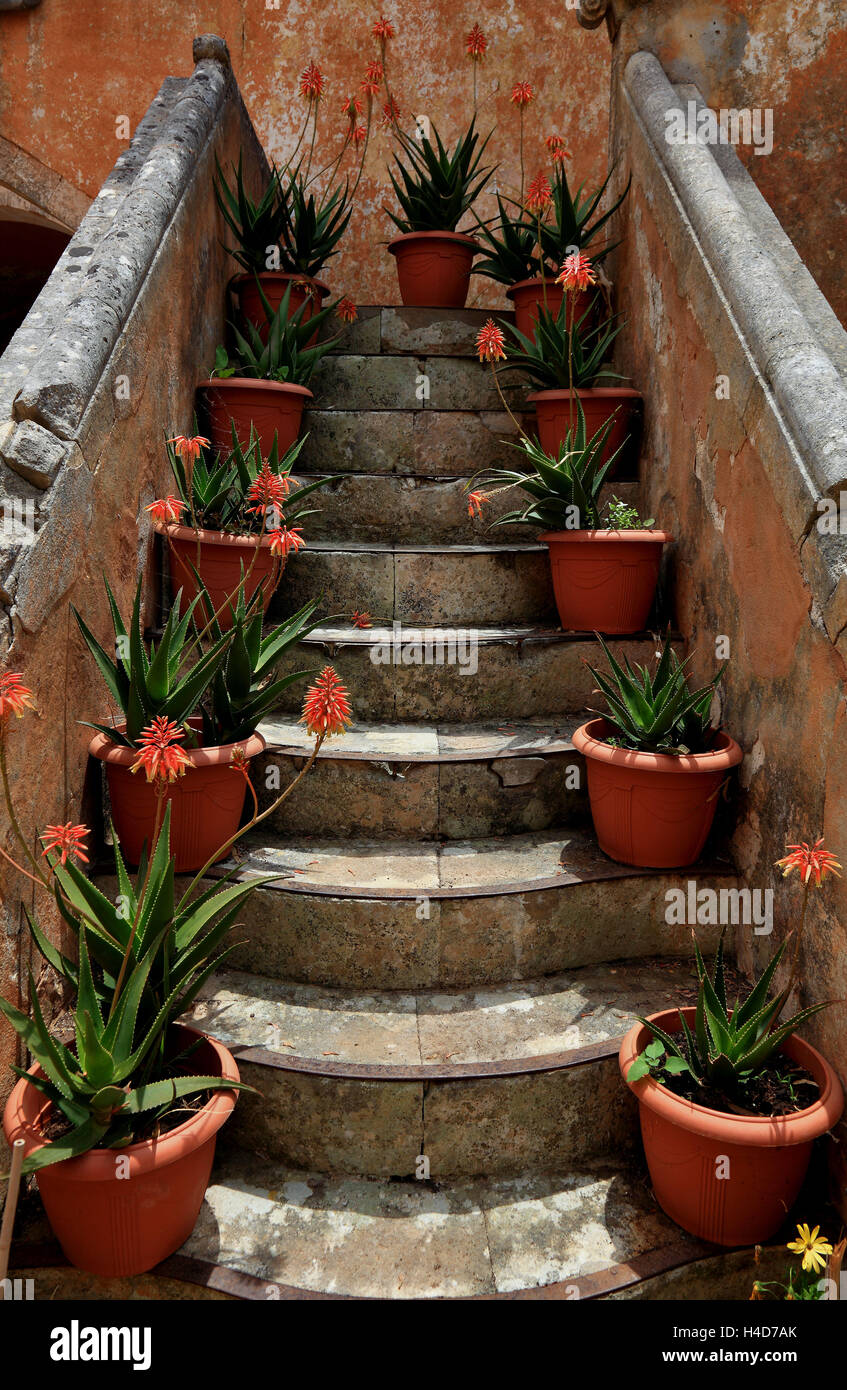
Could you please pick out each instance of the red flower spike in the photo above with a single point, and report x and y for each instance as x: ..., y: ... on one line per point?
x: 577, y: 272
x: 360, y: 619
x: 346, y: 310
x: 160, y: 760
x: 312, y: 82
x: 166, y: 509
x: 373, y: 78
x: 189, y: 448
x: 15, y: 697
x: 521, y: 94
x: 269, y: 490
x: 811, y: 862
x: 68, y: 839
x: 285, y: 539
x: 475, y: 502
x: 539, y: 195
x: 383, y: 30
x: 326, y: 709
x: 390, y: 112
x: 476, y: 43
x: 490, y: 342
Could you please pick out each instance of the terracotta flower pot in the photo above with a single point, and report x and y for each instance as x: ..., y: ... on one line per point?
x: 269, y: 406
x: 304, y: 290
x: 222, y: 557
x: 528, y: 296
x: 604, y: 581
x: 730, y: 1179
x: 206, y: 802
x: 653, y: 810
x: 434, y: 268
x: 113, y: 1224
x: 554, y: 416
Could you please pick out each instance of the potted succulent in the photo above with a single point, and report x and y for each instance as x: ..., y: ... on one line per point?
x: 604, y: 571
x: 119, y: 1116
x: 655, y: 762
x: 200, y: 704
x: 532, y: 239
x: 435, y: 189
x: 264, y: 385
x: 568, y: 361
x: 730, y: 1101
x: 243, y: 520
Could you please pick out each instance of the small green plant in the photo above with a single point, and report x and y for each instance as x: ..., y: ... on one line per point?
x: 565, y: 354
x: 288, y: 355
x: 622, y: 517
x: 820, y: 1262
x: 312, y: 227
x: 256, y: 226
x: 436, y: 186
x: 564, y: 492
x: 512, y: 246
x: 657, y: 713
x: 574, y: 220
x: 729, y: 1045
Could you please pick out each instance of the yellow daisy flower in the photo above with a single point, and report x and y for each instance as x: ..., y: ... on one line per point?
x: 812, y: 1247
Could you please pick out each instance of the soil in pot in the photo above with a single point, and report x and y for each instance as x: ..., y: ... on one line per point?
x: 304, y: 290
x: 271, y: 407
x: 605, y: 581
x: 116, y: 1221
x: 222, y: 557
x: 434, y: 268
x: 206, y: 802
x: 555, y: 416
x: 653, y: 810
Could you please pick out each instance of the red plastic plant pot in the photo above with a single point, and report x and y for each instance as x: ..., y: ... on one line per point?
x: 555, y: 416
x: 604, y: 581
x: 304, y: 290
x: 434, y: 268
x: 270, y: 407
x: 221, y: 561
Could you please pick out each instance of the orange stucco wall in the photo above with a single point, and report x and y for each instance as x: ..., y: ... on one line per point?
x: 69, y: 73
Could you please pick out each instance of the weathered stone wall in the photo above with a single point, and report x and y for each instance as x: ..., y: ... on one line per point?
x: 68, y: 114
x: 788, y: 57
x: 743, y: 368
x: 102, y: 369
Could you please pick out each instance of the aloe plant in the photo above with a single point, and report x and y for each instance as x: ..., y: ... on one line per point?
x: 140, y: 966
x: 565, y: 354
x: 436, y: 186
x: 572, y: 223
x: 312, y: 227
x: 728, y: 1046
x: 657, y: 713
x: 512, y: 246
x: 288, y: 354
x: 256, y: 226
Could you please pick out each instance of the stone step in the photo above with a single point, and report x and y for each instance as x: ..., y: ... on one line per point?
x: 352, y: 381
x: 422, y: 443
x: 425, y: 781
x: 418, y: 914
x: 434, y: 584
x: 405, y: 509
x: 592, y: 1231
x: 488, y: 674
x: 495, y: 1082
x: 394, y: 329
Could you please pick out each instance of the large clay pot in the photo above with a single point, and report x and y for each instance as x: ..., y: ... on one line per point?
x: 529, y: 296
x: 434, y: 268
x: 304, y: 290
x: 271, y: 407
x: 206, y: 802
x: 222, y: 558
x: 604, y: 581
x: 555, y: 416
x: 653, y: 810
x: 730, y: 1179
x: 112, y: 1220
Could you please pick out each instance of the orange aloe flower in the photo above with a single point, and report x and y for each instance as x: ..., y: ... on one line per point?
x: 476, y: 43
x: 351, y: 108
x: 577, y: 272
x: 358, y: 133
x: 490, y: 342
x: 383, y: 30
x: 285, y: 539
x: 539, y: 195
x: 239, y: 762
x: 811, y: 862
x: 475, y: 502
x: 69, y: 839
x: 166, y: 509
x: 360, y: 619
x: 390, y: 112
x: 312, y: 82
x: 373, y: 78
x: 186, y: 447
x: 15, y: 697
x: 346, y: 310
x: 326, y: 709
x: 521, y: 94
x: 160, y: 760
x: 268, y: 491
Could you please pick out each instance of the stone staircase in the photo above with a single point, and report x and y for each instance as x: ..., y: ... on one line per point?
x: 431, y: 995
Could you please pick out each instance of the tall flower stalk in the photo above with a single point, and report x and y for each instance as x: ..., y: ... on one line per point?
x: 814, y: 864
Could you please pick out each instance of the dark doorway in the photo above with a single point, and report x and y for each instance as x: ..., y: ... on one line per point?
x: 28, y: 253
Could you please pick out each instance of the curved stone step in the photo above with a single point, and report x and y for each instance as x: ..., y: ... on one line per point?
x: 416, y: 914
x: 350, y: 381
x: 425, y: 443
x: 424, y: 780
x: 369, y: 507
x: 397, y: 329
x: 592, y: 1232
x: 466, y: 674
x: 496, y: 1082
x: 481, y: 583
